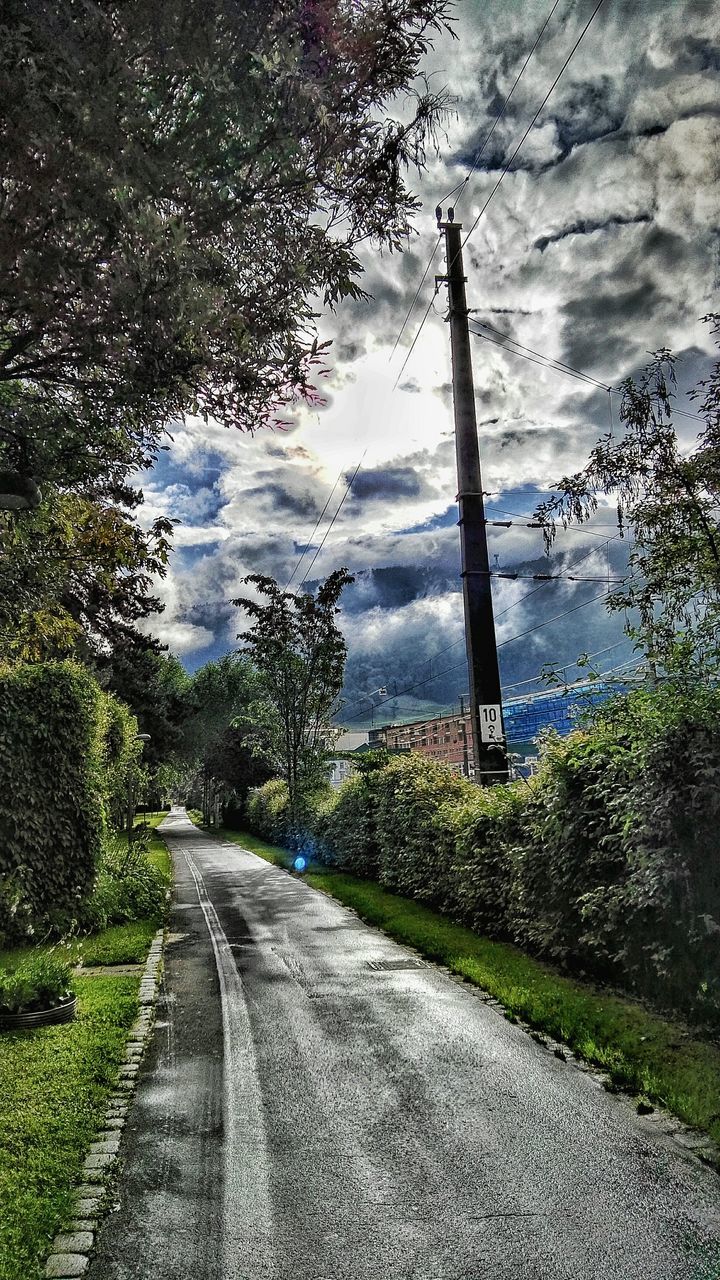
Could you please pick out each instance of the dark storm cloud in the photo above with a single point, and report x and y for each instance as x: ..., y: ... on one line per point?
x: 600, y: 324
x: 387, y: 482
x: 283, y: 500
x: 584, y: 228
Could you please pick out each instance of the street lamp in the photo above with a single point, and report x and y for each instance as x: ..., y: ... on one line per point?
x: 139, y: 737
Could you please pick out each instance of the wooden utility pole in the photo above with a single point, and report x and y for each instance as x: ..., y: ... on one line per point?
x: 491, y: 765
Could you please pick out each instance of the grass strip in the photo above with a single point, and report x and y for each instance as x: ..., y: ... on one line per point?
x: 54, y: 1083
x: 643, y: 1053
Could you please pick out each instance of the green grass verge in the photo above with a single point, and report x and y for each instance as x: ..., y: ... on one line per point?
x: 54, y: 1083
x: 642, y: 1052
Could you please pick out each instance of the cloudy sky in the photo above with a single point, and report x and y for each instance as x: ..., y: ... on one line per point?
x: 601, y: 244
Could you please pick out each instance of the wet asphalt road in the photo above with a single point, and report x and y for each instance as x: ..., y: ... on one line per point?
x: 302, y: 1115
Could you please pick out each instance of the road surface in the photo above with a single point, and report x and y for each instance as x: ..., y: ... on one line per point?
x: 305, y: 1113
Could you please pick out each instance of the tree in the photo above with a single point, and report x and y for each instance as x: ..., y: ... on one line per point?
x: 299, y: 651
x: 76, y: 576
x: 669, y: 499
x: 224, y: 746
x: 178, y: 181
x: 154, y: 685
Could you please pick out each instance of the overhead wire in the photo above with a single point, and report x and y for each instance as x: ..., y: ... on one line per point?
x: 461, y: 186
x: 338, y: 509
x: 556, y: 366
x: 545, y: 100
x: 418, y: 684
x: 317, y: 526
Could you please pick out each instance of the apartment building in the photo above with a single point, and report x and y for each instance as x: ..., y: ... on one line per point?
x: 447, y: 738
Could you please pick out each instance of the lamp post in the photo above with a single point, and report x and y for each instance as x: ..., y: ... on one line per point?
x: 139, y: 737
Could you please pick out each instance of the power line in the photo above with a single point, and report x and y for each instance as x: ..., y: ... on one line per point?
x: 338, y: 509
x: 561, y: 72
x: 462, y: 185
x: 603, y: 595
x: 497, y: 184
x: 429, y: 679
x: 556, y: 366
x: 569, y: 529
x: 527, y: 353
x: 312, y: 535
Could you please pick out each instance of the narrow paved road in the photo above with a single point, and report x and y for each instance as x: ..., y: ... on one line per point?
x: 305, y: 1114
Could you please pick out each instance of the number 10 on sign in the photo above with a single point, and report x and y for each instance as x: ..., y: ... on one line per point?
x: 490, y: 722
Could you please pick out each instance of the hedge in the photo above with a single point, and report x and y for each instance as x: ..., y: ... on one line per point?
x: 65, y: 748
x: 607, y: 864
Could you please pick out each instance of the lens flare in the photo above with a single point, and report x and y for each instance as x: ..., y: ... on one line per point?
x: 300, y: 863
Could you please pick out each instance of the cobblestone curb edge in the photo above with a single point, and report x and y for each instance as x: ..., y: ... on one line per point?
x: 71, y: 1249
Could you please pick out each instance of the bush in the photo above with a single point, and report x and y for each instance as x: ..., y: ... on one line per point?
x: 268, y: 812
x: 412, y: 797
x: 128, y: 886
x: 51, y: 795
x: 489, y: 829
x: 39, y: 982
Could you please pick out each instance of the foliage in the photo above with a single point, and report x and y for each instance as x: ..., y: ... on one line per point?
x: 54, y: 1085
x: 489, y: 830
x: 180, y: 180
x: 154, y: 686
x: 223, y: 742
x: 413, y: 794
x: 77, y: 569
x: 128, y: 887
x: 38, y: 982
x: 669, y: 497
x: 120, y: 761
x: 51, y: 793
x: 299, y: 653
x: 608, y: 864
x: 268, y: 809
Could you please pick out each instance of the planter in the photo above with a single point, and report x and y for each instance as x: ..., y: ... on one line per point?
x: 62, y: 1012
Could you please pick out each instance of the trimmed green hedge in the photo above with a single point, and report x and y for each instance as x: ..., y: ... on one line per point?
x: 607, y: 864
x: 65, y: 750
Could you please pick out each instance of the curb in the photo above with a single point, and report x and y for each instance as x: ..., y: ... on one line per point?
x: 71, y: 1248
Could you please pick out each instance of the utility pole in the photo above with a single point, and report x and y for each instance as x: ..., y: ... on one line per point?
x: 491, y: 764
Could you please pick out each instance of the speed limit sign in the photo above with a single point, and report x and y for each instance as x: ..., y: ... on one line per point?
x: 490, y: 722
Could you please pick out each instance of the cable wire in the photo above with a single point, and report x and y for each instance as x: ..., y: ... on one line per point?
x: 312, y: 535
x: 497, y: 184
x: 561, y: 72
x: 460, y: 187
x: 338, y: 509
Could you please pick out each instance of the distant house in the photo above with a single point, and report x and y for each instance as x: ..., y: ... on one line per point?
x: 340, y: 767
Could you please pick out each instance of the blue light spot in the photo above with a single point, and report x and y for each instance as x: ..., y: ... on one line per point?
x: 300, y: 863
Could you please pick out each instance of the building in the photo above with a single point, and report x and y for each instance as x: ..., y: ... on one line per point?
x: 449, y: 737
x: 340, y: 768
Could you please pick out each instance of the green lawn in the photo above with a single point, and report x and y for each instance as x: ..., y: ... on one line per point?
x: 646, y: 1054
x: 53, y: 1086
x: 54, y: 1083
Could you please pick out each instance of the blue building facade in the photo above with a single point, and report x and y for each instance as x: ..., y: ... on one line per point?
x: 557, y: 709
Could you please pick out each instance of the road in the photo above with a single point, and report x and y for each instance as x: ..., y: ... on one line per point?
x: 306, y: 1114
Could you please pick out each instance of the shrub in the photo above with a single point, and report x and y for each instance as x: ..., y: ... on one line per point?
x: 489, y: 829
x: 351, y: 827
x: 39, y: 982
x: 268, y: 811
x: 662, y: 916
x: 415, y: 839
x: 128, y: 886
x: 51, y: 794
x: 574, y: 846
